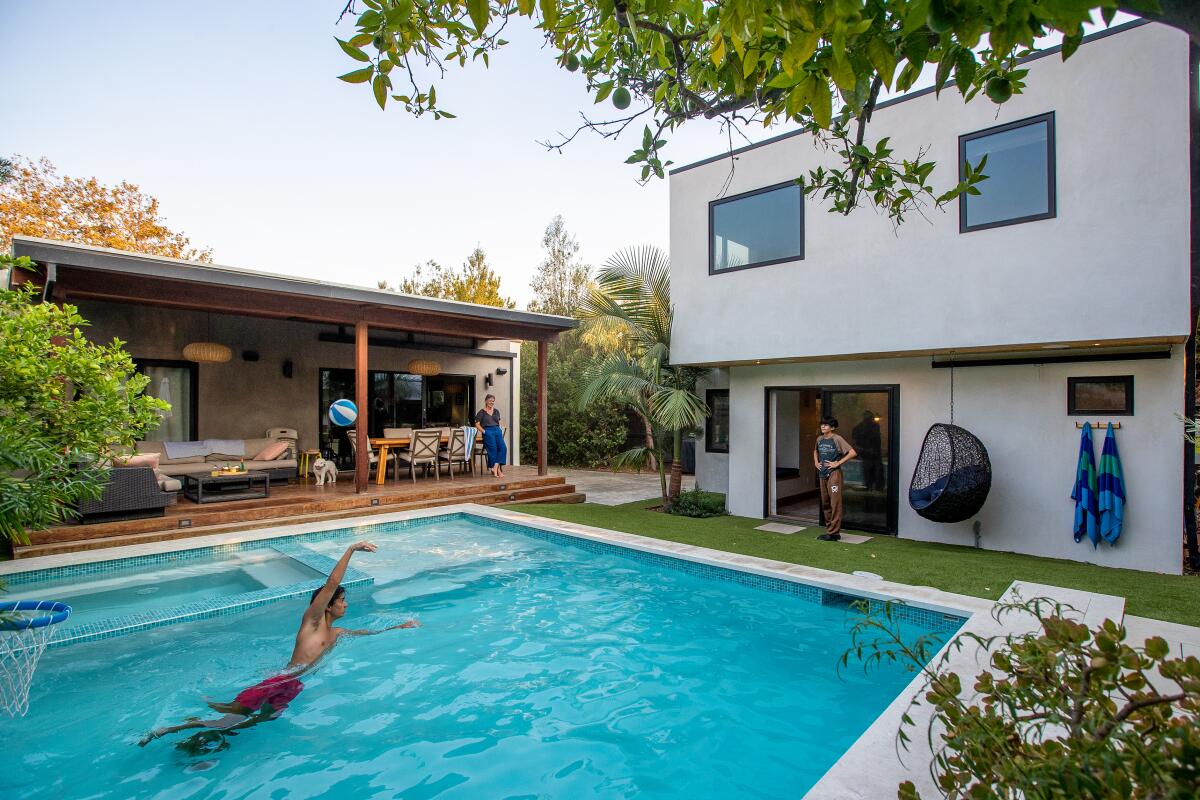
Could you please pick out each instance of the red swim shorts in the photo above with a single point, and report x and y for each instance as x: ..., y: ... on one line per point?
x: 278, y: 691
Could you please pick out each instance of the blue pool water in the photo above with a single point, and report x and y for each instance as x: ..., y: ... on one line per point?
x: 541, y: 671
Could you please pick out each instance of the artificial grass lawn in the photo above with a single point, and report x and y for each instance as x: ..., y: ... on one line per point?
x: 965, y: 570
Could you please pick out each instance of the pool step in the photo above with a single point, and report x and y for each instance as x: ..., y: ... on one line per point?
x: 553, y: 491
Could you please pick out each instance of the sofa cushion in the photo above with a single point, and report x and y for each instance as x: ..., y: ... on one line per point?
x: 167, y: 483
x: 157, y: 447
x: 271, y: 466
x: 272, y: 451
x: 223, y: 458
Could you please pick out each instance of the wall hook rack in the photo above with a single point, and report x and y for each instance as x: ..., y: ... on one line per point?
x: 1100, y: 425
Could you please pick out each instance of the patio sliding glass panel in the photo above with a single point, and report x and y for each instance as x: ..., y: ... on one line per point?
x: 448, y: 400
x: 174, y: 383
x: 864, y: 420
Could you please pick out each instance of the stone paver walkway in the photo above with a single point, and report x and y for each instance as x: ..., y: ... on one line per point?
x: 615, y: 488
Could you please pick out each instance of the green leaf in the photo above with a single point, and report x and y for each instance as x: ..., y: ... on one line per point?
x: 820, y: 99
x: 549, y: 13
x: 525, y: 7
x: 361, y: 39
x: 717, y: 54
x: 379, y: 87
x: 480, y: 11
x: 882, y: 58
x: 358, y: 76
x: 604, y: 90
x: 353, y: 52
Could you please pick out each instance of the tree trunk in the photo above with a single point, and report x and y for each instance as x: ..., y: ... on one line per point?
x: 676, y: 466
x: 649, y: 440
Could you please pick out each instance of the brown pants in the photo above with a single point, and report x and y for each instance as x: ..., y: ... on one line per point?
x: 831, y: 501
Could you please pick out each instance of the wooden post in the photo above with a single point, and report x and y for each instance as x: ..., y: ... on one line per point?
x: 543, y: 348
x: 362, y: 461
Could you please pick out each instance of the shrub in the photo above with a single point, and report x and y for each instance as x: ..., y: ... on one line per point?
x: 66, y: 404
x: 698, y: 504
x: 1063, y: 711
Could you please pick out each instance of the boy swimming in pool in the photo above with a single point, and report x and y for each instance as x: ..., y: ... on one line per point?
x: 268, y: 699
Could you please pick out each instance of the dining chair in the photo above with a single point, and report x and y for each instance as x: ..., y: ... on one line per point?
x: 424, y: 451
x: 455, y: 452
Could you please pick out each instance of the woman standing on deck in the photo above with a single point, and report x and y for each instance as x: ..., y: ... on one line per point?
x: 487, y: 422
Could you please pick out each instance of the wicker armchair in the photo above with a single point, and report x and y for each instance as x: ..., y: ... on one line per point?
x: 131, y: 493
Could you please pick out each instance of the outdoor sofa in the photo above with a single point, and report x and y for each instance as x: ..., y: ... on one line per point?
x: 279, y: 469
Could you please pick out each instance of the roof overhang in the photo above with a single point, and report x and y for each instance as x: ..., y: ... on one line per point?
x: 1041, y: 353
x: 81, y: 271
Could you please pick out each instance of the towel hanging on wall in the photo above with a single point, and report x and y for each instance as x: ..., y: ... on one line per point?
x: 1112, y: 489
x: 1087, y: 512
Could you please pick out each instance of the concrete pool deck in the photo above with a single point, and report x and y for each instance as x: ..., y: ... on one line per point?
x: 871, y: 767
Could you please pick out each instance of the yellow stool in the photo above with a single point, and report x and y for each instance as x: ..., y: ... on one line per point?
x: 306, y: 459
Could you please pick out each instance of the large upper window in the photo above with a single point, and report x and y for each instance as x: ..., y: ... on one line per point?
x: 756, y: 228
x: 1020, y: 174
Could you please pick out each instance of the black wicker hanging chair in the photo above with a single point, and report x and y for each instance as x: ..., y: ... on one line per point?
x: 953, y: 475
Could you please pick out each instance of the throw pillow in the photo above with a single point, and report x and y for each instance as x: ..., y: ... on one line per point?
x: 271, y: 452
x: 138, y: 460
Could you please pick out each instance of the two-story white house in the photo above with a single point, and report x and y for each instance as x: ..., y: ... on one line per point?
x: 1059, y: 295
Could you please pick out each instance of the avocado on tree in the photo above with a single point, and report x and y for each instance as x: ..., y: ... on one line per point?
x: 818, y: 63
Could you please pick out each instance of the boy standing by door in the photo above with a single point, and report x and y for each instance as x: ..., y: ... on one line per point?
x: 829, y: 454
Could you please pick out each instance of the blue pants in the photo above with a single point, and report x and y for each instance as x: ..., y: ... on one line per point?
x: 494, y: 446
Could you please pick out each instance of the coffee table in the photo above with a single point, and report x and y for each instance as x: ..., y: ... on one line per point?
x: 223, y: 488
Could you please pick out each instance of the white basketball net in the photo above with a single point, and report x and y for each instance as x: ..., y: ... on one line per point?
x: 20, y: 651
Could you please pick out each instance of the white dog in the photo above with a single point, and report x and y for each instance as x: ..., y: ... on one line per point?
x: 324, y: 469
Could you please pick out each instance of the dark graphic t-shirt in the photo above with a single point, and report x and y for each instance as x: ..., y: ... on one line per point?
x: 830, y: 448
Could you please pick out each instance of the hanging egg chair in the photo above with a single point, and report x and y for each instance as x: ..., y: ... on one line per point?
x: 952, y: 477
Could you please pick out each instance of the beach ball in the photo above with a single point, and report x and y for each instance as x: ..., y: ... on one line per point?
x: 343, y: 412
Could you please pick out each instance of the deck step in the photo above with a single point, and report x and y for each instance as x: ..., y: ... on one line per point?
x: 546, y: 493
x: 282, y: 507
x: 566, y: 498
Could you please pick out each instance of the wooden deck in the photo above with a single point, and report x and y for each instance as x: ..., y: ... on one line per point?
x: 304, y: 502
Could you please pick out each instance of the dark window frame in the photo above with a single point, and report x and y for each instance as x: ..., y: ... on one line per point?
x: 712, y: 204
x: 1074, y: 409
x: 1051, y: 173
x: 709, y: 446
x: 193, y: 390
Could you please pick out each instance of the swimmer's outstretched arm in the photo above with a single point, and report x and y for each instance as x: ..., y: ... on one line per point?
x: 412, y: 623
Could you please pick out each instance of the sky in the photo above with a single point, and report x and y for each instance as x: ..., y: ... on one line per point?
x: 231, y: 114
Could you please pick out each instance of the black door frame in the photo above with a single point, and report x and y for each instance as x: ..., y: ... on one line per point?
x: 193, y: 390
x: 893, y: 405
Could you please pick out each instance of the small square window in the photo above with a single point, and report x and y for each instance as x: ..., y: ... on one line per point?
x: 1111, y: 395
x: 716, y: 428
x: 1020, y: 185
x: 757, y: 228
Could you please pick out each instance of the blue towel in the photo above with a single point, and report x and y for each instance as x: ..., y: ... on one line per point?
x: 1087, y: 513
x: 1112, y: 490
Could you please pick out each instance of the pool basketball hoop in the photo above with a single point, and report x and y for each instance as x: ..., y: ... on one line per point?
x: 26, y: 627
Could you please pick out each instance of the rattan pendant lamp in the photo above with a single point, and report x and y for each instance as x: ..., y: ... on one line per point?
x: 207, y: 352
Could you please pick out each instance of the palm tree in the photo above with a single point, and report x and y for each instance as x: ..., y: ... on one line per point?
x: 632, y: 300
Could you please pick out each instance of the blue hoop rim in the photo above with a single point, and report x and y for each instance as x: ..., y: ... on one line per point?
x: 56, y: 612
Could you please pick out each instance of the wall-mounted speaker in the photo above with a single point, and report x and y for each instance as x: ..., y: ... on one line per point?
x: 249, y: 355
x: 287, y: 368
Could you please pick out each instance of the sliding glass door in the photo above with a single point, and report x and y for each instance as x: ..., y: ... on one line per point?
x: 398, y: 400
x: 866, y: 420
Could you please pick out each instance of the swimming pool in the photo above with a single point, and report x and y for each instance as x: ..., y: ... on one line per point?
x: 543, y: 669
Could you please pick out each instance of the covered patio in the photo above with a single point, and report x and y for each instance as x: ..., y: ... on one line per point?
x: 290, y: 347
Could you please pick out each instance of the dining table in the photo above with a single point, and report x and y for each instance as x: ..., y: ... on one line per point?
x: 385, y: 443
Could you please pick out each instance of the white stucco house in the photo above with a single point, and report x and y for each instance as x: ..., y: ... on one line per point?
x: 1060, y: 295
